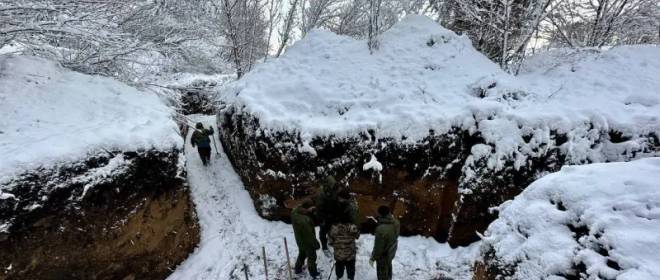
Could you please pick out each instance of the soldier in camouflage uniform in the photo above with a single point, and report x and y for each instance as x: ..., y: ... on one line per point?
x: 385, y: 244
x: 342, y: 238
x: 200, y: 139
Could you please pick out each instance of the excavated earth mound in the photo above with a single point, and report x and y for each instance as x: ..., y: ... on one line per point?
x: 597, y: 221
x: 91, y: 178
x: 429, y: 126
x: 66, y: 223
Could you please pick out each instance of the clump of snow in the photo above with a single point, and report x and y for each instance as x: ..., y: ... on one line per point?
x: 598, y: 220
x: 425, y: 77
x: 117, y: 166
x: 5, y: 195
x: 373, y: 164
x: 51, y: 115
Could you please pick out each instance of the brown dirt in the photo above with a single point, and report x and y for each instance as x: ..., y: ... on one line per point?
x: 480, y: 272
x: 144, y: 239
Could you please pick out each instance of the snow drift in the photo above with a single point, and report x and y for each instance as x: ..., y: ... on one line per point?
x: 90, y: 177
x: 598, y: 221
x: 446, y: 124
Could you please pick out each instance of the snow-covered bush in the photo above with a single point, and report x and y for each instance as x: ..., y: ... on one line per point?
x: 597, y: 221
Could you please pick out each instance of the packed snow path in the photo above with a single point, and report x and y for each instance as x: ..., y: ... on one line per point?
x: 232, y: 234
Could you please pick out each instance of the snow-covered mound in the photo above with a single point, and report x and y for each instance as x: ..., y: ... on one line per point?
x: 432, y: 109
x: 617, y: 89
x: 426, y: 77
x: 89, y: 159
x: 598, y: 221
x: 327, y: 84
x: 52, y: 115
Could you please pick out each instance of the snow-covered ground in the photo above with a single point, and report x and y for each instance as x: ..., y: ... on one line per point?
x: 52, y: 115
x: 233, y: 234
x: 604, y: 217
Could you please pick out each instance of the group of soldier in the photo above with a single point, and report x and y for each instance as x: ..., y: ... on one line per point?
x: 337, y: 215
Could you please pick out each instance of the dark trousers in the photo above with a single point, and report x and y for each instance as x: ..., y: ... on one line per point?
x: 310, y: 256
x: 205, y: 154
x: 384, y: 269
x: 349, y: 266
x: 324, y: 230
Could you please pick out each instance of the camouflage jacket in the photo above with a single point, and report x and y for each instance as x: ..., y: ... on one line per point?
x: 342, y: 238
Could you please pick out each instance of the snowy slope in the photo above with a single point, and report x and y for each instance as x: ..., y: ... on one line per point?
x: 52, y: 115
x: 427, y: 77
x: 233, y: 234
x: 603, y: 217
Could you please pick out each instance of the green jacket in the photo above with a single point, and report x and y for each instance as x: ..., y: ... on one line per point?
x: 303, y: 229
x: 386, y: 243
x: 327, y: 203
x: 201, y: 138
x: 351, y: 208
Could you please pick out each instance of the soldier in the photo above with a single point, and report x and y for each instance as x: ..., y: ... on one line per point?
x: 327, y: 205
x: 386, y: 243
x: 200, y: 138
x: 349, y: 206
x: 342, y: 238
x: 303, y: 229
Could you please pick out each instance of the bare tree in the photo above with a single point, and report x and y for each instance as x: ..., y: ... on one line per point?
x: 583, y: 23
x: 289, y: 21
x: 318, y: 13
x: 501, y: 29
x: 274, y: 7
x: 242, y: 25
x: 374, y: 14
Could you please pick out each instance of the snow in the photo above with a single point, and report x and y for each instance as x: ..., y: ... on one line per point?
x: 4, y: 195
x: 330, y: 84
x: 427, y: 77
x: 373, y: 164
x: 618, y: 203
x: 52, y: 115
x: 233, y: 234
x: 117, y: 165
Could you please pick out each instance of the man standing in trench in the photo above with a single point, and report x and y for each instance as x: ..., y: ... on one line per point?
x: 327, y: 210
x: 200, y: 138
x: 303, y: 230
x: 386, y: 243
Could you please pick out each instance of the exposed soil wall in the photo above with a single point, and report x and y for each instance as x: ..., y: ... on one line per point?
x: 424, y: 181
x: 419, y: 180
x: 75, y: 222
